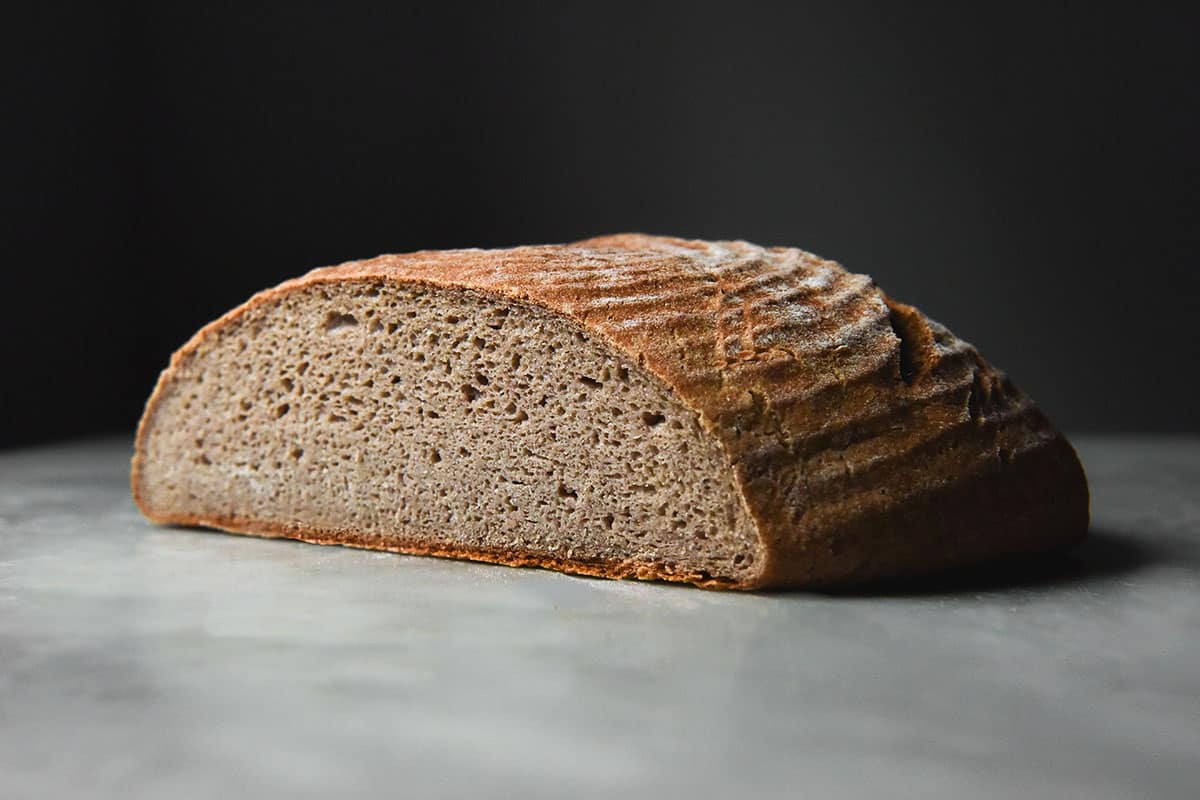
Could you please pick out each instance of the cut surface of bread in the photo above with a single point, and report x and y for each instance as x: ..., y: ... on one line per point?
x: 631, y: 406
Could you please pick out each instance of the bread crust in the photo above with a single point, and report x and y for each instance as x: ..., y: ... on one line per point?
x: 866, y: 440
x: 595, y: 568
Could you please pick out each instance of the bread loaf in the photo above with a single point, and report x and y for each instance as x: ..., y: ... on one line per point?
x: 629, y: 406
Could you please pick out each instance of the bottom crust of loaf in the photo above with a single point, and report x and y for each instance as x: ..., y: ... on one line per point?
x: 617, y: 570
x: 398, y: 543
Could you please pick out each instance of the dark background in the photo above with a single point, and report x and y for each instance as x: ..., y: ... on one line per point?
x: 1028, y: 177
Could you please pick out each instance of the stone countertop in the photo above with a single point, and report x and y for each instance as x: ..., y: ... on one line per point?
x: 139, y: 661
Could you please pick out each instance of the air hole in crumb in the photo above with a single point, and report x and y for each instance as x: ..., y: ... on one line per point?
x: 591, y: 383
x: 481, y: 379
x: 336, y: 418
x: 462, y: 451
x: 608, y: 521
x: 281, y: 410
x: 623, y: 374
x: 469, y: 392
x: 565, y: 491
x: 520, y: 417
x: 288, y: 384
x: 335, y: 321
x: 376, y: 326
x: 435, y: 456
x: 516, y: 360
x: 653, y: 419
x: 296, y: 452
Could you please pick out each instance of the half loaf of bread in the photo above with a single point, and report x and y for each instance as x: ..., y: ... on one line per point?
x: 630, y: 406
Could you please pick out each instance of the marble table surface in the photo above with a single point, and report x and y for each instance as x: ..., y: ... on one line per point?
x: 138, y: 661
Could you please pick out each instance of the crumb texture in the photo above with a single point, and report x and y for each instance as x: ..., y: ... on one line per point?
x: 417, y: 416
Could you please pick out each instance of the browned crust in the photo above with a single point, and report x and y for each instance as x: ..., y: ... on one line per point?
x: 866, y: 440
x: 415, y: 546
